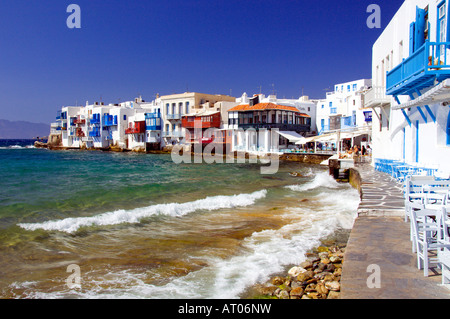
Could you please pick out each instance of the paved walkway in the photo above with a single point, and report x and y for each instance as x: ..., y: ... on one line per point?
x: 381, y: 237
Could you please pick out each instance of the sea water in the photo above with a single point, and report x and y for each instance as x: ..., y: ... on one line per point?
x: 141, y: 226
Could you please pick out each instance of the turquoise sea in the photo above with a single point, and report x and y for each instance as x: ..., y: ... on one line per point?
x: 141, y: 226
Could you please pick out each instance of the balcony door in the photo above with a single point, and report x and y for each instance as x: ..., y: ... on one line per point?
x: 442, y: 30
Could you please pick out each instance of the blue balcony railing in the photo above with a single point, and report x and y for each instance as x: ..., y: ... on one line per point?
x: 428, y: 63
x: 95, y: 119
x: 347, y: 122
x: 95, y: 132
x: 109, y: 120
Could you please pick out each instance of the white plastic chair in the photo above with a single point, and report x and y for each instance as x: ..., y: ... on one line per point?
x: 425, y: 227
x: 444, y: 252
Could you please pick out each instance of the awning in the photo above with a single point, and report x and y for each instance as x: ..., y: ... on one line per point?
x: 291, y: 136
x: 305, y: 140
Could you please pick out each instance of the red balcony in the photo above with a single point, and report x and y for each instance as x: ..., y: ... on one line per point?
x: 205, y: 121
x: 79, y: 121
x: 137, y: 128
x: 79, y: 132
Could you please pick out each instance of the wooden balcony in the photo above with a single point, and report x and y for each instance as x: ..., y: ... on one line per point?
x: 137, y: 128
x: 204, y: 122
x: 429, y: 63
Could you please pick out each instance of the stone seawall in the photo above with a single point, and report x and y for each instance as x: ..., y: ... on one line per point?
x: 305, y: 158
x: 354, y: 179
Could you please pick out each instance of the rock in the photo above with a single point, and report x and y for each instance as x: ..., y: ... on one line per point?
x: 295, y: 271
x: 283, y: 294
x: 325, y: 261
x: 297, y: 292
x: 320, y: 268
x: 267, y: 290
x: 313, y: 295
x: 323, y: 255
x: 296, y: 284
x: 313, y: 257
x: 329, y: 277
x: 320, y: 288
x: 306, y: 264
x: 307, y: 275
x: 276, y: 281
x: 334, y: 295
x: 338, y: 272
x: 333, y: 285
x: 335, y: 259
x: 330, y: 267
x: 322, y: 249
x: 296, y: 174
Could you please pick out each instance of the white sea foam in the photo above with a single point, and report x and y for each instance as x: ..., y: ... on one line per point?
x: 17, y: 147
x: 263, y: 253
x: 322, y: 179
x: 70, y: 225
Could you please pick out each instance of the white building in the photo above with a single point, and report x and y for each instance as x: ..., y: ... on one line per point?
x: 69, y: 131
x: 411, y: 93
x: 175, y: 106
x: 262, y: 125
x: 343, y: 108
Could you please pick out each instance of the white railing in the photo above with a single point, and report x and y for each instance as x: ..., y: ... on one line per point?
x: 376, y: 95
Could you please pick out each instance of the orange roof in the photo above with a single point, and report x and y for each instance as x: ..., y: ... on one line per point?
x: 265, y: 106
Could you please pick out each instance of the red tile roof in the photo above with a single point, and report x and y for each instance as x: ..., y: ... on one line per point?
x: 265, y: 106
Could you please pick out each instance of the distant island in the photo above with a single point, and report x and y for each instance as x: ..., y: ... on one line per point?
x: 23, y: 130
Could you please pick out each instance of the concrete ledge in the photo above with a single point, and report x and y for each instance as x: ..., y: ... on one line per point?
x: 380, y: 239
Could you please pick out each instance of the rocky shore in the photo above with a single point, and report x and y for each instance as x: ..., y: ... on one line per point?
x: 318, y: 277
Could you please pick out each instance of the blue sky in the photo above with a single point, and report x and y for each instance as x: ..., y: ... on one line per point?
x: 130, y: 48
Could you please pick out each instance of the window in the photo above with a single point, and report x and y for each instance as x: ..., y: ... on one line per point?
x: 348, y: 88
x: 331, y: 104
x: 442, y: 11
x: 187, y: 107
x: 167, y: 108
x: 355, y: 87
x: 124, y: 117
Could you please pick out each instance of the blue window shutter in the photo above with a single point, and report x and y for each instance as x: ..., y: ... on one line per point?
x: 419, y: 39
x: 448, y: 24
x: 411, y: 38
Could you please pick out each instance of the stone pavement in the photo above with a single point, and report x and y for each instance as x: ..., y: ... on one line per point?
x: 381, y: 237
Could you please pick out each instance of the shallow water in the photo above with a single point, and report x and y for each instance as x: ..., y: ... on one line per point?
x: 140, y: 226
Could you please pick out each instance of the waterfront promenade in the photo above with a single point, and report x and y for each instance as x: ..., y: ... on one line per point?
x: 381, y: 237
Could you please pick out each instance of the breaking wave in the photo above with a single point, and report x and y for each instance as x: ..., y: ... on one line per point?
x: 321, y: 180
x: 71, y: 225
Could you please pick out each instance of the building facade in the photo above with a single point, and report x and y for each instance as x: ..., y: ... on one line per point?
x: 175, y: 106
x: 343, y: 108
x: 410, y: 72
x: 265, y: 127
